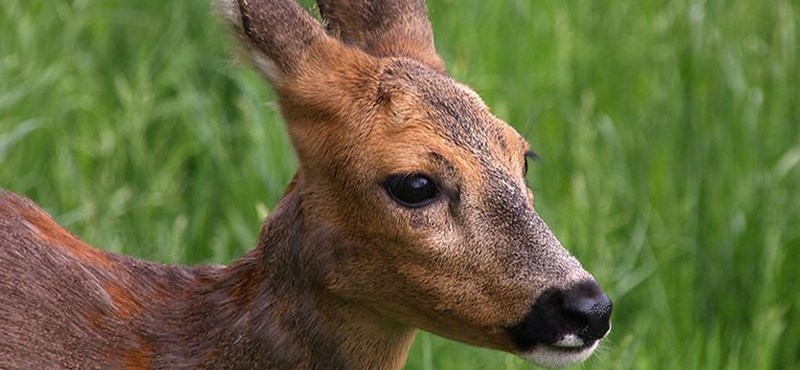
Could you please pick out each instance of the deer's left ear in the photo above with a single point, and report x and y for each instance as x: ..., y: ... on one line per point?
x: 305, y: 65
x: 384, y: 28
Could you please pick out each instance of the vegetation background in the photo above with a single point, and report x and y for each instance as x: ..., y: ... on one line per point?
x: 669, y: 132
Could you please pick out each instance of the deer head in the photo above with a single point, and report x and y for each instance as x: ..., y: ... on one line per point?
x: 418, y: 188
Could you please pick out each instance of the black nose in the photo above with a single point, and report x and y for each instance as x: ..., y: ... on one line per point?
x: 590, y: 308
x: 581, y: 309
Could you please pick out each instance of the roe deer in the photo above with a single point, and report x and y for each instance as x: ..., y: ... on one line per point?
x: 409, y: 210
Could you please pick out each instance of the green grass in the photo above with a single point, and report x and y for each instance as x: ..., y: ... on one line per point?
x: 669, y: 131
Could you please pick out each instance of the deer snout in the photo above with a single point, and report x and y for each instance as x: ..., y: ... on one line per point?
x: 564, y: 325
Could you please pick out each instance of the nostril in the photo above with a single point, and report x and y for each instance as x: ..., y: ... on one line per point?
x: 590, y: 307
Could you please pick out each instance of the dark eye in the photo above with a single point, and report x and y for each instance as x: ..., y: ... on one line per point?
x: 411, y: 190
x: 525, y: 171
x: 529, y: 155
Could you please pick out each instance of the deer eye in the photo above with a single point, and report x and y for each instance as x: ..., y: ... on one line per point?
x: 525, y: 170
x: 529, y: 155
x: 411, y: 190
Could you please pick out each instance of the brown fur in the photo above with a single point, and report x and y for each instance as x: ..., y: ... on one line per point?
x: 341, y: 276
x: 47, y: 231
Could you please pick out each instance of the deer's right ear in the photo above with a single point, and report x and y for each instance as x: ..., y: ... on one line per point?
x: 292, y: 50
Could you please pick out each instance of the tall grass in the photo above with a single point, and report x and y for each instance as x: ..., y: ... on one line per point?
x: 669, y: 131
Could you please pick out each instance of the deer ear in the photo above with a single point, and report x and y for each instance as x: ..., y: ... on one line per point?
x: 277, y: 35
x: 307, y: 68
x: 384, y: 28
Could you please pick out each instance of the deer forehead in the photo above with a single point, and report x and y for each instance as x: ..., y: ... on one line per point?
x: 424, y: 112
x: 408, y: 118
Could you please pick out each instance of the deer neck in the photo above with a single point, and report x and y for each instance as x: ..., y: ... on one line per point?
x: 271, y: 310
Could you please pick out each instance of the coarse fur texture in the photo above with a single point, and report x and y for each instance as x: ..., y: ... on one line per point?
x: 342, y: 275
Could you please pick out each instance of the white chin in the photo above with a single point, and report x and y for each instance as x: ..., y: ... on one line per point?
x: 555, y: 356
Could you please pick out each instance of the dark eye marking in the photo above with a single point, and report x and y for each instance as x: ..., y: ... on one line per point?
x: 412, y: 190
x: 532, y: 156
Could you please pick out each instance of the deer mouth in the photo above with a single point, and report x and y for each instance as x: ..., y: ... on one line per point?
x: 564, y: 325
x: 554, y: 350
x: 572, y: 343
x: 557, y: 355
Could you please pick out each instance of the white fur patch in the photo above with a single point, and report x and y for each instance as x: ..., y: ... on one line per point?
x: 264, y: 64
x: 569, y: 341
x: 557, y: 357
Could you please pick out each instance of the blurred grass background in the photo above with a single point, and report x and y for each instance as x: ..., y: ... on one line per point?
x: 669, y: 131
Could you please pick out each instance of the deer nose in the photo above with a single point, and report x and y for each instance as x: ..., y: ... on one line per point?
x: 586, y: 303
x: 581, y: 310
